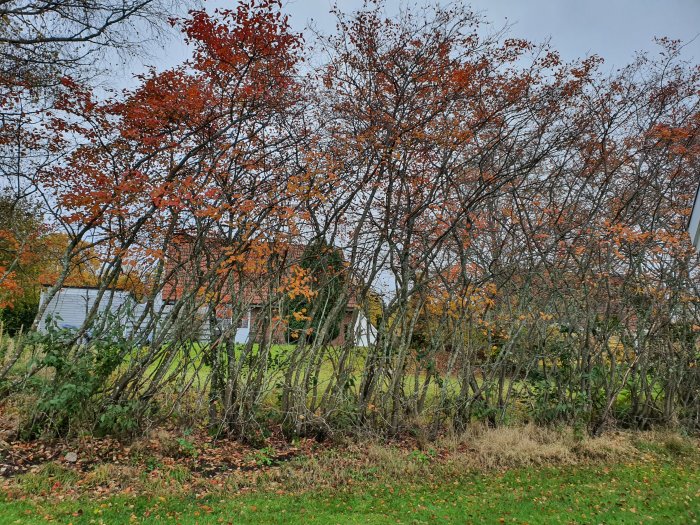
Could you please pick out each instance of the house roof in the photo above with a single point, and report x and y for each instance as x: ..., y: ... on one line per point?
x: 250, y: 272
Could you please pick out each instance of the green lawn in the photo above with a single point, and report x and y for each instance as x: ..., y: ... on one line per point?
x: 663, y: 493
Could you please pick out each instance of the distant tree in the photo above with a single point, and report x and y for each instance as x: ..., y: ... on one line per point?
x: 324, y: 264
x: 21, y: 253
x: 21, y: 226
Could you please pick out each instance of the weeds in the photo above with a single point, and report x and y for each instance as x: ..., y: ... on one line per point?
x: 150, y: 467
x: 48, y: 478
x: 265, y: 457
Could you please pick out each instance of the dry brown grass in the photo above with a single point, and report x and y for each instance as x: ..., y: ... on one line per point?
x: 479, y: 449
x: 511, y: 447
x: 111, y: 475
x: 518, y: 447
x: 351, y: 463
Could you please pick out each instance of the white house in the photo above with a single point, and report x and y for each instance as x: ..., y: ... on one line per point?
x: 70, y: 307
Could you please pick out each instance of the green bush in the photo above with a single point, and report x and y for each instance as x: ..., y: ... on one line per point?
x: 20, y: 316
x: 79, y: 373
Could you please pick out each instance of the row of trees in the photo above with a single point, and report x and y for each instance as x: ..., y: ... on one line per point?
x: 511, y: 224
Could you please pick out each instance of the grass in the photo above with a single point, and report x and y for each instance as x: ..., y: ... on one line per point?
x: 504, y: 475
x: 666, y: 492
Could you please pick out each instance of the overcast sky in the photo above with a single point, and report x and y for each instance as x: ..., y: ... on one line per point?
x: 613, y: 29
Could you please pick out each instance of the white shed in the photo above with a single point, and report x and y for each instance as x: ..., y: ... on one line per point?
x: 71, y: 305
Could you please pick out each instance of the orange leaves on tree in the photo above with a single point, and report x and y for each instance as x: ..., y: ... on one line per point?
x: 298, y: 283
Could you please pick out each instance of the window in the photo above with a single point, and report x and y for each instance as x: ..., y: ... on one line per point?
x: 245, y: 320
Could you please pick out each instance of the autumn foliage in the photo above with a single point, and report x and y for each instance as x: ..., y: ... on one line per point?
x: 511, y: 225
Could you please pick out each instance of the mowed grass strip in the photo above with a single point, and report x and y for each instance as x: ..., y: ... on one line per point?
x: 637, y: 493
